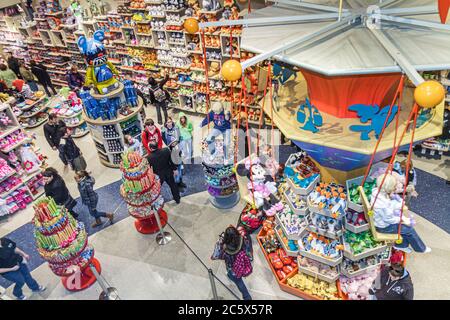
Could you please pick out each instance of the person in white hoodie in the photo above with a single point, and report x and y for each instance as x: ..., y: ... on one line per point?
x: 386, y: 216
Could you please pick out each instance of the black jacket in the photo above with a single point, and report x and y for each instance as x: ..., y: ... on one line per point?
x: 68, y: 150
x: 401, y: 289
x: 57, y: 190
x: 161, y: 162
x: 53, y: 133
x: 8, y: 257
x: 152, y: 89
x: 88, y: 196
x: 13, y: 64
x: 41, y: 73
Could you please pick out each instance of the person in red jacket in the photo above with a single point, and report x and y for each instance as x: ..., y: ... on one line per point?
x: 151, y: 134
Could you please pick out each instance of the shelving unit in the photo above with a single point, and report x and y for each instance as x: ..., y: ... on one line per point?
x: 27, y: 185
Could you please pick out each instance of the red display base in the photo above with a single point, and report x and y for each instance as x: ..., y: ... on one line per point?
x: 149, y: 224
x: 83, y: 280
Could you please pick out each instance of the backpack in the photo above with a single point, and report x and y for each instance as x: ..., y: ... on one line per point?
x: 242, y: 266
x: 159, y: 94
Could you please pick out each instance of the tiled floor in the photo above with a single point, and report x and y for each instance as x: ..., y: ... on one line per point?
x: 140, y: 269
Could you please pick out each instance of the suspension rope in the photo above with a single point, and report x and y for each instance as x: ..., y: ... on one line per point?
x: 399, y: 88
x: 205, y: 65
x: 248, y: 141
x: 394, y: 152
x: 262, y: 112
x: 408, y: 164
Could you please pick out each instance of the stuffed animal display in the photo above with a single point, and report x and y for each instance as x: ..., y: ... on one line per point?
x: 321, y: 246
x: 357, y: 288
x: 314, y: 286
x: 301, y: 170
x: 360, y: 242
x: 100, y: 72
x: 330, y: 197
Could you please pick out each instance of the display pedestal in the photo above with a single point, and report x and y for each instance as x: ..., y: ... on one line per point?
x: 333, y: 175
x: 84, y: 280
x: 149, y: 225
x: 225, y: 202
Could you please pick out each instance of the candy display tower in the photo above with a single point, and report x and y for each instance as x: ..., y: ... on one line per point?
x: 62, y: 241
x: 141, y: 190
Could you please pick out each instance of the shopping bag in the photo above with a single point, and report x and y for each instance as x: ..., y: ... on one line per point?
x: 218, y: 249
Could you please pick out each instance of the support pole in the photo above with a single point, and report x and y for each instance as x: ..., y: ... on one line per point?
x: 395, y: 53
x: 213, y: 285
x: 163, y: 237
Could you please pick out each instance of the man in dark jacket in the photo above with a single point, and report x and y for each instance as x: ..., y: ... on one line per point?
x: 13, y: 267
x: 161, y: 162
x: 14, y: 65
x: 159, y: 97
x: 54, y: 131
x: 40, y: 71
x: 395, y: 284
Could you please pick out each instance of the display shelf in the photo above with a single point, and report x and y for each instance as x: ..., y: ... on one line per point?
x: 29, y: 106
x: 9, y: 131
x: 318, y: 275
x: 300, y: 211
x: 17, y: 186
x: 367, y: 253
x: 37, y: 124
x: 82, y: 134
x: 17, y: 144
x: 292, y: 253
x: 8, y: 175
x: 34, y: 113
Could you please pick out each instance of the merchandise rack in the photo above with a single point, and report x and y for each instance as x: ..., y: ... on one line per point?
x: 97, y: 127
x: 30, y: 183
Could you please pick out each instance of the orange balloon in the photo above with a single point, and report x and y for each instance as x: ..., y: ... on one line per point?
x: 231, y: 70
x: 191, y: 25
x: 429, y: 94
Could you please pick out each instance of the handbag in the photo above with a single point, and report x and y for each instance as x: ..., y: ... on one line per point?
x: 70, y: 203
x: 218, y: 249
x: 79, y: 163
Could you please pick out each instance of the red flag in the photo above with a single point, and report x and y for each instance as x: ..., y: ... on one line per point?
x: 444, y: 6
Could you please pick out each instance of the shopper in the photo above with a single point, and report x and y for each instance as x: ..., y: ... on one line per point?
x: 7, y: 75
x: 159, y: 97
x: 171, y: 137
x: 151, y: 134
x: 29, y: 77
x: 90, y: 198
x: 186, y: 138
x: 69, y: 152
x: 40, y: 71
x: 56, y: 188
x: 74, y: 79
x: 161, y: 162
x: 13, y: 267
x: 133, y: 144
x: 394, y: 283
x: 14, y: 64
x: 238, y: 256
x: 53, y: 131
x: 387, y: 215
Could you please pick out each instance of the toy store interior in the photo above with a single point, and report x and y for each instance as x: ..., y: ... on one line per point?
x: 245, y: 149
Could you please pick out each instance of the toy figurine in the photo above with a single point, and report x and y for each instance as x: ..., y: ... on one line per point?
x: 100, y: 72
x: 262, y: 186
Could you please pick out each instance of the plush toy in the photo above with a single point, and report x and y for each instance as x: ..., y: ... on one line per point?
x: 262, y: 186
x: 210, y: 5
x: 222, y: 126
x: 100, y: 72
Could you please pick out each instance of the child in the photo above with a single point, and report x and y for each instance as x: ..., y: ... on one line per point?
x: 185, y: 126
x: 90, y: 198
x: 133, y: 144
